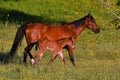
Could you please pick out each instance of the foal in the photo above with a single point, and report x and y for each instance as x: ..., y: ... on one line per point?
x: 55, y: 46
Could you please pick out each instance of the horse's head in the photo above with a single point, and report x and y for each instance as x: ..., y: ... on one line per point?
x: 91, y: 24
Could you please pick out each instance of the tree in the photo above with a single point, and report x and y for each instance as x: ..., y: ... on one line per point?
x: 115, y: 11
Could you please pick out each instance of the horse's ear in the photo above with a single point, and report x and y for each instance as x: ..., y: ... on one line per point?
x: 88, y: 14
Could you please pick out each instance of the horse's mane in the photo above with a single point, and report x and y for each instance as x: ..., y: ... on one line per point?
x: 77, y: 22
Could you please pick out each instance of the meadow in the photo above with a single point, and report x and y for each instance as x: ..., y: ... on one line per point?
x: 97, y: 56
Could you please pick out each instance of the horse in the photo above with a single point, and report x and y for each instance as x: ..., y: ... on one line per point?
x: 54, y: 46
x: 36, y: 32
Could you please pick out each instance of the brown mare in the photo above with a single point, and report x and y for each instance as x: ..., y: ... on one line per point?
x: 55, y: 46
x: 37, y: 32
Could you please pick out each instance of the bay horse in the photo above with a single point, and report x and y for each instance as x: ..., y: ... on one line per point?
x: 37, y: 32
x: 55, y: 46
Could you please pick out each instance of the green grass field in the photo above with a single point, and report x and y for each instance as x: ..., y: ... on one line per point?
x: 97, y: 57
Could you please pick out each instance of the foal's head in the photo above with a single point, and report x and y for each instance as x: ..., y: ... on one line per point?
x: 91, y: 24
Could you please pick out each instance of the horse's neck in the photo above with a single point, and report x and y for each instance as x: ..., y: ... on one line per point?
x: 77, y: 30
x: 80, y: 29
x: 78, y: 26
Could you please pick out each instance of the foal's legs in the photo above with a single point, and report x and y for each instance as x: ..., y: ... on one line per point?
x: 61, y: 55
x: 39, y: 54
x: 54, y: 55
x: 42, y: 45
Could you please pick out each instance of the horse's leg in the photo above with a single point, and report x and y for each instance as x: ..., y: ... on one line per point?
x: 61, y: 55
x: 57, y: 51
x: 39, y: 55
x: 30, y: 55
x: 54, y: 55
x: 42, y: 50
x: 73, y: 39
x: 70, y: 51
x: 25, y: 57
x: 26, y: 52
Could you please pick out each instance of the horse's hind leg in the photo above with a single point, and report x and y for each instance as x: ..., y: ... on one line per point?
x: 25, y: 56
x: 30, y: 55
x: 40, y: 53
x: 26, y: 52
x: 54, y: 55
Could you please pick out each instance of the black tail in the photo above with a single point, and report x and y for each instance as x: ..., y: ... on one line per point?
x: 17, y: 41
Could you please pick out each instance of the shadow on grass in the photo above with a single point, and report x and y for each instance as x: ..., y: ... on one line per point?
x: 15, y: 16
x: 118, y: 3
x: 14, y: 59
x: 2, y: 56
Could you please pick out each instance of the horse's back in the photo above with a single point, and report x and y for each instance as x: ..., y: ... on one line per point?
x: 57, y: 32
x: 39, y: 31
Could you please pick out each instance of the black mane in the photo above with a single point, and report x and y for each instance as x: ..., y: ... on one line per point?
x: 79, y: 22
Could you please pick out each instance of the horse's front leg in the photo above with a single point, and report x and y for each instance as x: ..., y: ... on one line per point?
x: 70, y: 51
x: 73, y: 39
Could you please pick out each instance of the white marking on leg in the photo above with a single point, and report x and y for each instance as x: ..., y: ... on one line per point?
x: 41, y: 56
x: 73, y: 46
x: 32, y: 61
x: 61, y: 54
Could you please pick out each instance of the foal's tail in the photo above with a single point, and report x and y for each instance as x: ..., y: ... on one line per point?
x: 17, y: 41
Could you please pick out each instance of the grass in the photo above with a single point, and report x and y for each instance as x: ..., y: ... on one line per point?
x: 97, y: 57
x: 85, y: 70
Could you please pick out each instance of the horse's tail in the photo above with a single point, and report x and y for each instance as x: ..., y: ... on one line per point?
x: 17, y: 41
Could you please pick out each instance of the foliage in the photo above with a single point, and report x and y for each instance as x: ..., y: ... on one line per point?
x: 28, y: 11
